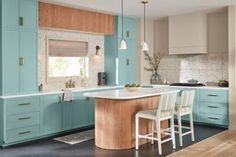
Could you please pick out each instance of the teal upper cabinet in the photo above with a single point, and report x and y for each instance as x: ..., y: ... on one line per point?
x: 26, y: 20
x: 10, y: 63
x: 18, y: 46
x: 10, y: 11
x: 28, y: 67
x: 120, y: 65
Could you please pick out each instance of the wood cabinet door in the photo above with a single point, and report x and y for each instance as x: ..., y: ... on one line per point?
x: 10, y: 62
x: 28, y: 71
x: 51, y: 114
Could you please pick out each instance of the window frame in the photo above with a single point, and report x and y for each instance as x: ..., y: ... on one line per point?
x: 48, y: 79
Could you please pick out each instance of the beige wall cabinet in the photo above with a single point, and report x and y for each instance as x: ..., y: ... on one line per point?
x: 188, y: 34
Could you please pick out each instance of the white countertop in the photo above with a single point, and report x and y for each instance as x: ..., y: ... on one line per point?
x: 61, y: 92
x: 124, y: 94
x: 202, y: 87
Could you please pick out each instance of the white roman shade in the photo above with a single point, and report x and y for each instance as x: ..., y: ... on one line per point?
x: 66, y: 48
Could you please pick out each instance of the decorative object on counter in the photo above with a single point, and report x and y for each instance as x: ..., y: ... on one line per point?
x: 102, y: 78
x: 68, y: 95
x: 70, y: 83
x: 123, y: 44
x: 223, y: 83
x: 40, y: 87
x: 145, y: 47
x: 154, y: 64
x: 132, y: 87
x: 213, y: 84
x: 192, y: 81
x: 82, y: 79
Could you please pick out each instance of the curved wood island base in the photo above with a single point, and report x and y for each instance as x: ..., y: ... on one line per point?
x: 115, y: 121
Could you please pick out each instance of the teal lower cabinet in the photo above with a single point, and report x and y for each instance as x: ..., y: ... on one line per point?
x: 213, y: 107
x: 51, y: 114
x: 210, y: 105
x: 20, y: 119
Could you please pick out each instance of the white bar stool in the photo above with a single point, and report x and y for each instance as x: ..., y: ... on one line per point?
x: 185, y: 107
x: 165, y: 111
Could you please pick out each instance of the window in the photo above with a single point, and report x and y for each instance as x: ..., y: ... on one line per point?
x: 68, y: 58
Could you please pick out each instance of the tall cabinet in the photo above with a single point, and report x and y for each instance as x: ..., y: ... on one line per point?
x: 120, y: 65
x: 18, y: 46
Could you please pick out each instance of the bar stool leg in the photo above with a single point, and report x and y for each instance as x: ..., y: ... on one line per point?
x: 137, y: 132
x: 172, y: 125
x: 153, y: 122
x: 180, y: 130
x: 159, y: 137
x: 191, y: 126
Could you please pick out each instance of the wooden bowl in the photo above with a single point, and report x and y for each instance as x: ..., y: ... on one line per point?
x: 132, y: 89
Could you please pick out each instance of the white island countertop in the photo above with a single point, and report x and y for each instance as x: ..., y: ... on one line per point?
x: 124, y: 94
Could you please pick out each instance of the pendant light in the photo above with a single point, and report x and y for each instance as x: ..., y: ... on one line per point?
x: 144, y: 44
x: 123, y: 44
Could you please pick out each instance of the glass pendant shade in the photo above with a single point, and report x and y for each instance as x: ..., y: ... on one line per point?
x: 123, y: 44
x: 145, y: 46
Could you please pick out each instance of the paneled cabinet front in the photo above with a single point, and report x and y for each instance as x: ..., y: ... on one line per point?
x: 51, y: 114
x: 19, y: 46
x: 121, y: 64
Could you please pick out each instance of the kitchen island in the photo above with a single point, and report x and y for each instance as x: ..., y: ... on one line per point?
x: 115, y: 115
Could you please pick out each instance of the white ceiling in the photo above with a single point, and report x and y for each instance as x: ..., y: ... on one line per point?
x: 155, y: 8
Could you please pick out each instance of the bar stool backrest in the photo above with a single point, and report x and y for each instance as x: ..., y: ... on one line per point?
x: 186, y: 101
x: 167, y: 105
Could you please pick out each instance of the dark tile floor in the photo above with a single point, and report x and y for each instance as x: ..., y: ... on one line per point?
x: 51, y: 148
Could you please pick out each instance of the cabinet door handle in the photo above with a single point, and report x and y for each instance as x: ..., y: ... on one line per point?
x: 24, y: 104
x: 21, y: 21
x: 213, y: 107
x: 213, y: 118
x: 127, y: 34
x: 213, y: 95
x: 22, y: 133
x: 24, y: 118
x: 127, y: 62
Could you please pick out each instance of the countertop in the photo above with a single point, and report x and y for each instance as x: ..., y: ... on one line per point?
x: 123, y: 94
x: 61, y: 92
x: 202, y: 87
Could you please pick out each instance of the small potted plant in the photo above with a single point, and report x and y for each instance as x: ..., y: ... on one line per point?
x: 154, y: 65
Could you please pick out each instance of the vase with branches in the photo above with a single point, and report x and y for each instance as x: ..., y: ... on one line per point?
x: 153, y: 62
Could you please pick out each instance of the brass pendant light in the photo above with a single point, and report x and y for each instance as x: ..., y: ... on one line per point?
x: 144, y: 43
x: 123, y: 44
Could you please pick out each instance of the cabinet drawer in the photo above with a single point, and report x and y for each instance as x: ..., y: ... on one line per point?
x: 214, y: 96
x: 22, y: 120
x: 213, y: 107
x: 22, y: 105
x: 15, y: 135
x: 213, y: 119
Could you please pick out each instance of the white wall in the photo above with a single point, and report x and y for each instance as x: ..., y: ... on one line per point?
x: 94, y: 66
x: 211, y: 67
x: 232, y: 68
x: 144, y: 76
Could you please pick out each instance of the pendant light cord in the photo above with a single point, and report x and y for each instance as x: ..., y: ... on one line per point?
x: 144, y: 8
x: 122, y: 10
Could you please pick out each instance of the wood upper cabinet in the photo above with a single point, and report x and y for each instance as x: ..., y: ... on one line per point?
x: 188, y: 34
x: 55, y: 16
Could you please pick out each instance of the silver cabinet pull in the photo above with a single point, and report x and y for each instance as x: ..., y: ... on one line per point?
x: 23, y: 133
x: 21, y: 61
x: 21, y: 21
x: 127, y: 61
x: 24, y: 104
x: 24, y: 118
x: 213, y: 118
x: 213, y: 95
x: 213, y: 107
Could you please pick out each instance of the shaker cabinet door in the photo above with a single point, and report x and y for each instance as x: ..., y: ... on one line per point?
x: 28, y: 71
x: 10, y: 62
x: 29, y: 14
